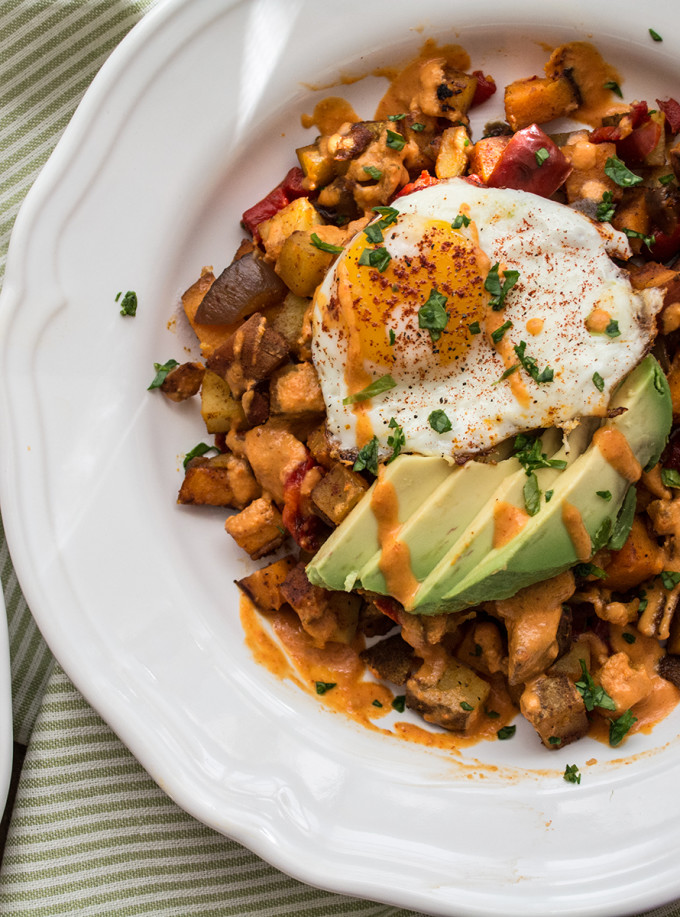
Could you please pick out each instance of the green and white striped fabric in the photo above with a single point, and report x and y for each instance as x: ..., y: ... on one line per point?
x: 91, y: 833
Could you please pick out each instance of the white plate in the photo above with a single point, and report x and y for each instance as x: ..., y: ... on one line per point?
x: 5, y: 709
x: 194, y: 118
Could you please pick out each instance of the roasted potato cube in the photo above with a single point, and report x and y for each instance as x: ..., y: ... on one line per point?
x: 453, y: 154
x: 337, y: 493
x: 301, y: 265
x: 224, y: 480
x: 555, y: 709
x: 536, y: 100
x: 295, y: 391
x: 299, y: 215
x: 255, y: 404
x: 451, y: 94
x: 221, y: 412
x: 485, y: 155
x: 288, y: 318
x: 319, y: 169
x: 209, y: 336
x: 455, y: 702
x: 249, y: 355
x: 264, y: 586
x: 258, y: 529
x: 625, y: 683
x: 328, y: 617
x: 273, y: 453
x: 391, y: 659
x: 183, y: 382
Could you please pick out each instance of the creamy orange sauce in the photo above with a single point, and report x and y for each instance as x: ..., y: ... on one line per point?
x: 617, y: 452
x: 395, y: 557
x: 535, y: 326
x: 578, y: 533
x: 407, y: 85
x: 598, y: 320
x: 508, y: 521
x: 593, y: 72
x: 330, y: 114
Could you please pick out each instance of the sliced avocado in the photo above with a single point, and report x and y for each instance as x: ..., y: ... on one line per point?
x: 337, y: 564
x: 543, y: 548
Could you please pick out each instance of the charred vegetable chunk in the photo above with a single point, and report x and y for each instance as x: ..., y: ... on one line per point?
x: 224, y: 480
x: 391, y: 659
x: 538, y: 100
x: 338, y: 492
x: 244, y: 287
x: 182, y: 382
x: 455, y: 702
x: 249, y: 355
x: 258, y: 529
x: 326, y: 616
x: 555, y: 709
x: 264, y: 586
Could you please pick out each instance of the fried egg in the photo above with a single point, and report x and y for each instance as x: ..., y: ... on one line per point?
x: 464, y: 315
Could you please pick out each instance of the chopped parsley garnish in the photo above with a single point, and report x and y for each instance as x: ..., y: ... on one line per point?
x: 669, y: 476
x: 508, y: 372
x: 394, y: 140
x: 432, y: 315
x: 572, y: 774
x: 598, y: 382
x: 128, y: 305
x: 417, y: 126
x: 643, y: 601
x: 376, y: 703
x: 605, y: 494
x: 395, y: 440
x: 461, y: 220
x: 528, y: 454
x: 548, y: 495
x: 325, y: 246
x: 200, y: 449
x: 373, y: 232
x: 382, y: 384
x: 541, y: 155
x: 629, y: 638
x: 392, y: 336
x: 634, y: 234
x: 399, y: 703
x: 162, y: 370
x: 666, y: 179
x: 465, y: 706
x: 612, y: 329
x: 399, y: 117
x: 606, y: 208
x: 554, y: 740
x: 492, y: 714
x: 670, y: 579
x: 614, y: 86
x: 619, y: 173
x: 532, y: 495
x: 601, y: 536
x: 367, y: 457
x: 498, y: 292
x: 389, y: 215
x: 583, y: 570
x: 655, y: 35
x: 624, y: 521
x: 593, y: 695
x: 373, y: 172
x: 531, y: 366
x: 506, y: 732
x: 618, y: 728
x: 323, y: 686
x: 498, y: 334
x: 474, y: 328
x: 439, y: 421
x: 375, y: 257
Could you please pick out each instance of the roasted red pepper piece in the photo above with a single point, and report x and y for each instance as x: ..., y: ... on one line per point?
x: 520, y: 167
x: 486, y: 86
x: 278, y: 198
x: 307, y: 529
x: 665, y: 245
x: 639, y: 143
x: 671, y: 110
x: 424, y: 180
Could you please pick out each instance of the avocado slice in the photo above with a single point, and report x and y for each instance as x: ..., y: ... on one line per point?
x: 543, y: 548
x: 337, y: 563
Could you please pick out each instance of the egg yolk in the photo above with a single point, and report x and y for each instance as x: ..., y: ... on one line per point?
x: 387, y: 298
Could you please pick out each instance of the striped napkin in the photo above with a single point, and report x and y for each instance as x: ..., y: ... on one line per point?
x: 90, y: 832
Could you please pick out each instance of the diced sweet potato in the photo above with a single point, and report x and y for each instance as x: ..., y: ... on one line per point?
x: 485, y: 155
x: 338, y: 492
x: 249, y: 355
x: 390, y: 659
x: 555, y: 709
x: 224, y: 480
x: 295, y: 390
x: 328, y: 617
x: 273, y: 453
x: 258, y: 529
x: 632, y: 214
x: 182, y: 382
x: 457, y: 700
x: 221, y: 412
x: 625, y: 683
x: 639, y: 559
x: 264, y: 586
x: 538, y: 100
x: 454, y: 150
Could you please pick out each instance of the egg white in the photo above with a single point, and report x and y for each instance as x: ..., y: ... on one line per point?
x: 565, y: 272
